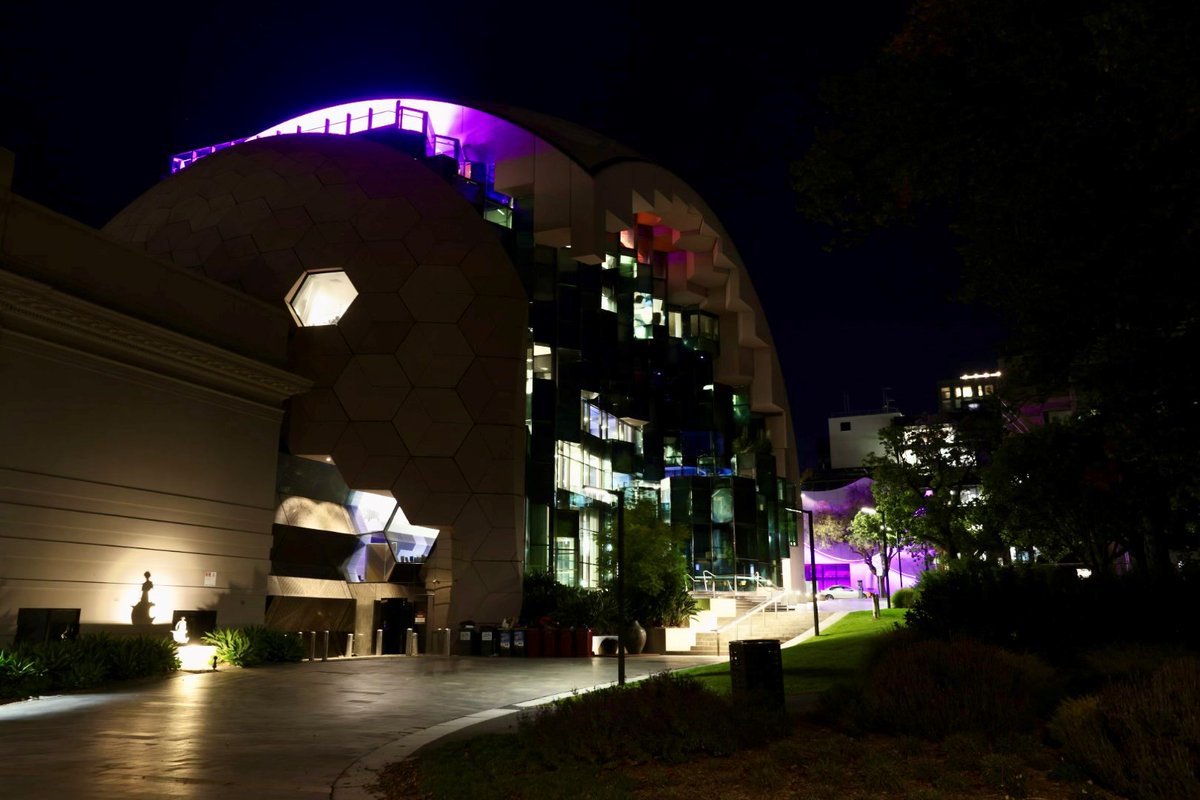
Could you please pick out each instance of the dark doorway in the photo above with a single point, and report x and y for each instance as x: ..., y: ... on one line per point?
x: 396, y: 616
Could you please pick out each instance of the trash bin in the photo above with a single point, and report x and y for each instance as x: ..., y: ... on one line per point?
x: 566, y: 642
x: 504, y: 642
x: 487, y: 641
x: 518, y: 642
x: 756, y: 672
x: 583, y: 642
x: 550, y: 642
x: 533, y: 642
x: 467, y: 639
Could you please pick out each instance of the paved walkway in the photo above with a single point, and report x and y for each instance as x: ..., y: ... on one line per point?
x: 297, y: 731
x: 304, y: 731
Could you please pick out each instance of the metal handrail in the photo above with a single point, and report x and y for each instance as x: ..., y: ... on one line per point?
x: 706, y: 577
x: 771, y: 602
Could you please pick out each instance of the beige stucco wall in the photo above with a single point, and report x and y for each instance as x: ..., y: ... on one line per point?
x: 128, y: 446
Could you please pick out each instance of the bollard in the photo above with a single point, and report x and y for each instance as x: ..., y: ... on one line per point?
x: 410, y: 644
x: 325, y: 652
x: 301, y: 635
x: 379, y: 641
x: 349, y: 644
x: 312, y: 645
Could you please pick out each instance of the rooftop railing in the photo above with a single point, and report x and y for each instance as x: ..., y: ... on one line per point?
x: 400, y: 117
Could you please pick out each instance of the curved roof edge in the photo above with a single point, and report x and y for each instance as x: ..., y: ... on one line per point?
x: 483, y: 131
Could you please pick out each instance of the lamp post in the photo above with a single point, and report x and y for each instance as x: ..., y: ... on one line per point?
x: 619, y: 499
x: 812, y: 564
x: 621, y: 589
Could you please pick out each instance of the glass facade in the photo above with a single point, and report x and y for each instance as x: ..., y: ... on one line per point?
x: 621, y: 396
x: 621, y: 390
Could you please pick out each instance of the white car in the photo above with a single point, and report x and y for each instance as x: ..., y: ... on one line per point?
x: 837, y: 592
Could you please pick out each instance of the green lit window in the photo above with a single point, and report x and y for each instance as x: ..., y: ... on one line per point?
x: 564, y: 560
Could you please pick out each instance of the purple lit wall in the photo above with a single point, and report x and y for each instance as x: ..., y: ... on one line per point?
x: 836, y: 562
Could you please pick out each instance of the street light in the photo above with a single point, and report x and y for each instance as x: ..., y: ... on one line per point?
x: 812, y: 563
x: 618, y: 498
x: 621, y: 589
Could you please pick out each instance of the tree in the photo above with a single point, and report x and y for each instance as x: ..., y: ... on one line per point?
x: 921, y: 476
x: 1057, y: 490
x: 1057, y: 143
x: 872, y: 538
x: 657, y: 581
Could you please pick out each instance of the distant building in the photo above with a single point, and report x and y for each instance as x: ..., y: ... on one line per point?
x: 854, y: 437
x: 967, y: 392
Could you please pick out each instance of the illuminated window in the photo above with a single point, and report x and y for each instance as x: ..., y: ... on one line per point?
x: 578, y: 469
x: 564, y: 560
x: 608, y: 301
x: 498, y: 214
x: 321, y: 298
x: 675, y: 324
x: 540, y: 361
x: 643, y: 316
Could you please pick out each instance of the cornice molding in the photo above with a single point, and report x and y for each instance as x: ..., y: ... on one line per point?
x: 53, y: 316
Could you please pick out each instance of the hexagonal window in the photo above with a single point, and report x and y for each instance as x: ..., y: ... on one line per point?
x: 321, y: 298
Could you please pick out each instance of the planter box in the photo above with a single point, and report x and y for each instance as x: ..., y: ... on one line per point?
x: 669, y: 640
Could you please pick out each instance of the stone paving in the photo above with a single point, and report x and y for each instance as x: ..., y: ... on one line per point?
x: 319, y: 729
x: 300, y: 731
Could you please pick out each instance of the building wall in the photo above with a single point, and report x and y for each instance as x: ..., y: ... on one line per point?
x: 418, y: 386
x: 128, y: 448
x: 854, y: 437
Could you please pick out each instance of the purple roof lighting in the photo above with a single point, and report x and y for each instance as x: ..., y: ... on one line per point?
x: 451, y: 129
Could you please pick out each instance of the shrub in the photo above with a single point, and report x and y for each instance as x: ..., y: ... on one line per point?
x: 1139, y: 737
x: 1049, y: 610
x: 141, y: 657
x: 20, y: 675
x: 83, y: 663
x: 276, y: 647
x: 254, y: 645
x: 666, y: 718
x: 233, y: 646
x: 576, y: 606
x: 904, y: 598
x: 933, y: 688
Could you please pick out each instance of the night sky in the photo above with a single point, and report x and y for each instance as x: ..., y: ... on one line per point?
x: 93, y: 105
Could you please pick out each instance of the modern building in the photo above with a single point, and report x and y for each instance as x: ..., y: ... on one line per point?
x: 478, y: 325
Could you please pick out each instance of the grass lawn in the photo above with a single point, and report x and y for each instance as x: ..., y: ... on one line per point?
x: 821, y: 662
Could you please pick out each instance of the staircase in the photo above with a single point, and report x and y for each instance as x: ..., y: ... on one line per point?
x: 769, y: 623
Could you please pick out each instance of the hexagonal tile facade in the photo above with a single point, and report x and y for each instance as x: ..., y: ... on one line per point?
x: 419, y: 385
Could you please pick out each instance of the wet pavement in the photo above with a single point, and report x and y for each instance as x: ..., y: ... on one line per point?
x: 317, y: 729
